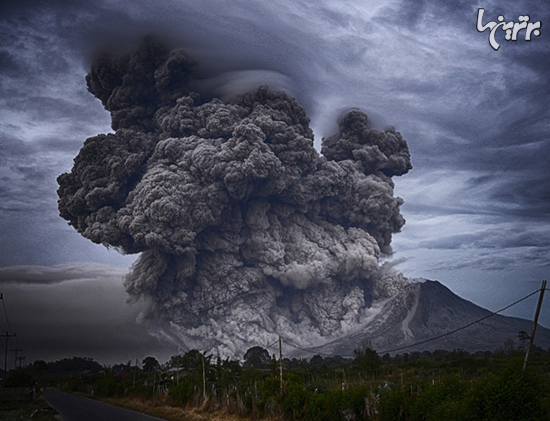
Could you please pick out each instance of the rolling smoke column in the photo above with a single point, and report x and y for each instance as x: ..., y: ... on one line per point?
x: 243, y: 228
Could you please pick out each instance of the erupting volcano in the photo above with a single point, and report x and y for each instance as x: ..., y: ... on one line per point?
x: 245, y: 231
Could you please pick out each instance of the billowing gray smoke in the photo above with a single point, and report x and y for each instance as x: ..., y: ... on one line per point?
x: 245, y: 231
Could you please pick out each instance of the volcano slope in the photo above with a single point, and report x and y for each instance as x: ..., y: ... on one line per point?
x: 425, y: 309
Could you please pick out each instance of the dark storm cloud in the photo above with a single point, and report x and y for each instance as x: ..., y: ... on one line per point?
x: 59, y: 145
x: 530, y: 260
x: 474, y: 119
x: 538, y: 64
x: 424, y: 15
x: 10, y: 6
x: 30, y: 229
x: 49, y: 44
x: 498, y: 127
x: 528, y: 198
x: 8, y: 64
x: 508, y: 239
x: 244, y: 42
x: 22, y: 176
x: 11, y: 147
x: 486, y: 261
x: 24, y: 274
x: 30, y: 173
x: 430, y: 16
x: 49, y: 108
x: 411, y: 13
x: 75, y: 310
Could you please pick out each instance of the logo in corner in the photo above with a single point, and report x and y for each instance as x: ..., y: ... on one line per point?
x: 511, y: 28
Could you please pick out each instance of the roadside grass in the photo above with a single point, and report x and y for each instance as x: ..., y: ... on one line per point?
x: 162, y: 408
x: 37, y: 409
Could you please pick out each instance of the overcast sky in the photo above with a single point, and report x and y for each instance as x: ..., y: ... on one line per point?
x: 476, y: 120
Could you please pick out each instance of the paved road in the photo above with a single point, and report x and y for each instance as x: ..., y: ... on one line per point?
x: 76, y: 408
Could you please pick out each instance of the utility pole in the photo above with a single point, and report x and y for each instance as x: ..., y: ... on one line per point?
x: 7, y: 337
x: 135, y: 369
x: 281, y: 362
x: 537, y: 312
x: 20, y: 359
x: 15, y: 352
x: 203, y: 378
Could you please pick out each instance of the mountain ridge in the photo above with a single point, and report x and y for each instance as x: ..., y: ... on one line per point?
x: 424, y: 313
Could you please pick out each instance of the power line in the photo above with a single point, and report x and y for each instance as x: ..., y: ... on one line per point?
x: 271, y: 345
x: 463, y: 327
x: 307, y: 350
x: 430, y: 339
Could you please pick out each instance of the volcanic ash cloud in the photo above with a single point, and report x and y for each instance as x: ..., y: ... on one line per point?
x: 245, y: 230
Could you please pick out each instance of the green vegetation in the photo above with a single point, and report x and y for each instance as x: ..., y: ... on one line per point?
x: 439, y: 385
x: 37, y: 410
x: 20, y: 401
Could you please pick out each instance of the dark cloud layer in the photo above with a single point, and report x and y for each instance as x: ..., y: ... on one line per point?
x: 75, y: 310
x: 498, y: 126
x: 476, y: 120
x: 46, y: 275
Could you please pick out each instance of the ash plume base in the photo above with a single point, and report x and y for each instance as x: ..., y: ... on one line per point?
x: 245, y: 231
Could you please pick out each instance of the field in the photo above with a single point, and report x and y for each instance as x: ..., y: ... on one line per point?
x: 419, y: 386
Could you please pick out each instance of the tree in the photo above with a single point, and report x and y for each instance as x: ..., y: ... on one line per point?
x: 74, y: 365
x: 150, y: 364
x: 176, y: 361
x: 523, y: 338
x: 316, y: 361
x: 40, y: 366
x: 257, y: 357
x: 508, y: 347
x: 18, y: 378
x: 367, y: 359
x: 193, y: 360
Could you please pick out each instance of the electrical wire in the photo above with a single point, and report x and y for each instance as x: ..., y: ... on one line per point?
x: 430, y: 339
x: 270, y: 345
x: 6, y: 314
x: 310, y: 351
x: 460, y: 328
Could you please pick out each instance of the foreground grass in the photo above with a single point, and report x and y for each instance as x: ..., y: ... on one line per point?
x: 163, y: 409
x: 38, y: 409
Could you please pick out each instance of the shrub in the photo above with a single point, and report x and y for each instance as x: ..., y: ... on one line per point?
x: 440, y: 398
x: 393, y: 405
x: 108, y: 387
x: 19, y: 378
x: 183, y: 393
x: 508, y: 396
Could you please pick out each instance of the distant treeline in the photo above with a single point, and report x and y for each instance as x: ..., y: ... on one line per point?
x: 438, y: 385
